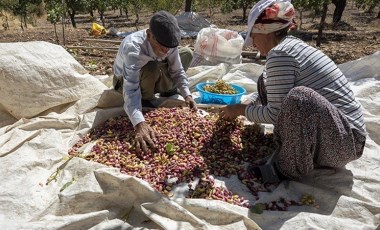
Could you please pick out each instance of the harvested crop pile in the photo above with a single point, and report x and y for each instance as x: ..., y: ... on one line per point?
x: 189, y: 146
x: 220, y: 87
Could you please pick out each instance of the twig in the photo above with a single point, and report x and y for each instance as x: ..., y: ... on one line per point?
x: 102, y: 40
x: 91, y: 47
x: 126, y: 216
x: 55, y: 174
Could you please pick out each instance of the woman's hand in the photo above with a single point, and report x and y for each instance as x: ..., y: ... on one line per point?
x: 230, y: 112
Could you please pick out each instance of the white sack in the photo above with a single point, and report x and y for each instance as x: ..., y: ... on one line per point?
x: 214, y: 46
x: 24, y: 89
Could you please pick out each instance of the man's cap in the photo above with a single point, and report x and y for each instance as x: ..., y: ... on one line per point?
x: 164, y: 27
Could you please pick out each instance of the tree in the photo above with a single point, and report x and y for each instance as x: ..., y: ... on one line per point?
x: 91, y: 7
x: 54, y: 14
x: 302, y: 5
x: 5, y: 5
x: 369, y: 5
x: 188, y: 4
x: 122, y: 5
x: 171, y: 6
x: 339, y: 8
x: 137, y: 6
x: 56, y: 10
x: 322, y: 23
x: 230, y: 5
x: 74, y: 6
x: 210, y: 5
x: 24, y: 8
x: 101, y: 6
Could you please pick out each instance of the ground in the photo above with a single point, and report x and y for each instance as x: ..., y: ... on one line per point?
x: 357, y: 35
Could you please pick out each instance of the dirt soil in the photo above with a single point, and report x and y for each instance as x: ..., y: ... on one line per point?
x: 357, y: 35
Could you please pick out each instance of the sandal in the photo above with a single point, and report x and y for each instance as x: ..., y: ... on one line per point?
x: 268, y: 171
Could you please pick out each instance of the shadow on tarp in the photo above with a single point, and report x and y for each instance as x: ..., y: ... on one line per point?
x: 325, y: 185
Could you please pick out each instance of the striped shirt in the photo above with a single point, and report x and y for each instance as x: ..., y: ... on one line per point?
x: 294, y: 63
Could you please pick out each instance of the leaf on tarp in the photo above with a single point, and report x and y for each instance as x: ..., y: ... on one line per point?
x: 67, y: 184
x: 169, y: 148
x: 257, y: 208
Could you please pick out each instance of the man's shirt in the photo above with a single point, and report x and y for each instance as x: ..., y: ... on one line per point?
x: 134, y: 53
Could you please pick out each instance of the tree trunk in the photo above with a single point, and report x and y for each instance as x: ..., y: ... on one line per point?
x: 188, y: 6
x: 6, y: 24
x: 322, y: 23
x: 55, y: 32
x: 244, y: 13
x: 126, y: 14
x: 371, y: 8
x: 101, y: 13
x: 72, y: 18
x: 299, y: 26
x: 339, y: 8
x: 22, y: 27
x: 25, y: 23
x: 63, y: 23
x: 137, y: 22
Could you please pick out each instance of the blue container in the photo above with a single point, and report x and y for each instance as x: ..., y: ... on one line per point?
x: 215, y: 98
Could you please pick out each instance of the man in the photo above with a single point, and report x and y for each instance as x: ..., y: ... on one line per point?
x: 149, y: 62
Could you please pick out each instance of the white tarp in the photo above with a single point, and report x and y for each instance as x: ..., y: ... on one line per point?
x: 56, y: 113
x: 190, y: 23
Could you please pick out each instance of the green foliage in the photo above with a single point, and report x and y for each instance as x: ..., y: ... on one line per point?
x: 307, y: 4
x: 7, y: 5
x: 91, y: 5
x: 24, y: 7
x: 170, y: 6
x: 211, y: 5
x: 227, y: 6
x: 136, y: 6
x: 74, y: 6
x: 99, y: 5
x: 53, y: 16
x: 54, y: 9
x: 230, y: 5
x: 257, y: 208
x: 367, y: 4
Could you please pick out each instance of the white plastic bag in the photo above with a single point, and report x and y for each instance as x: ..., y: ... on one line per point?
x: 214, y: 46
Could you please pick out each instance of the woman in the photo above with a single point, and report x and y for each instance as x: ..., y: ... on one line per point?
x: 317, y: 121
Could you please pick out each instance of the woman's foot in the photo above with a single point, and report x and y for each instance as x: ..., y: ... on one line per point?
x: 268, y: 171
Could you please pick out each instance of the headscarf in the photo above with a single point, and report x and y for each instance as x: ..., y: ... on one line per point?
x: 281, y: 14
x: 278, y: 16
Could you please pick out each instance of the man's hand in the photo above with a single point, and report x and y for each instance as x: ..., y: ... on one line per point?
x: 144, y: 134
x: 191, y: 103
x: 230, y: 112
